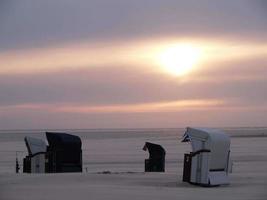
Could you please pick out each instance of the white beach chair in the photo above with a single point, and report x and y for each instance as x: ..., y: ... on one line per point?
x: 208, y: 163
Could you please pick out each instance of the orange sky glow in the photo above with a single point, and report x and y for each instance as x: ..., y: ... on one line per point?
x: 134, y: 53
x: 156, y: 64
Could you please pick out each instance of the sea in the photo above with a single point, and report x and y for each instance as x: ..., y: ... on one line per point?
x: 112, y: 150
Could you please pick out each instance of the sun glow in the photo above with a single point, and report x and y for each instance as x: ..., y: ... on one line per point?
x: 179, y: 59
x: 172, y: 56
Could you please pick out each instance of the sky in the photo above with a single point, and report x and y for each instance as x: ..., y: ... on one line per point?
x: 132, y: 64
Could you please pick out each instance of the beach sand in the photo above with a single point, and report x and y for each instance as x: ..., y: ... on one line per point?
x: 115, y: 171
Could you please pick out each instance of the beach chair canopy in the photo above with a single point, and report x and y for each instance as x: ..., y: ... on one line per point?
x: 63, y: 140
x: 217, y: 142
x: 155, y: 150
x: 35, y: 145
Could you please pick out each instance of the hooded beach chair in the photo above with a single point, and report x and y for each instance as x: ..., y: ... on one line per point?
x: 209, y: 162
x: 64, y: 153
x: 156, y: 161
x: 34, y: 162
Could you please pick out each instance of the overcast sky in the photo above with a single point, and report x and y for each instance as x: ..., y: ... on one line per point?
x: 93, y: 64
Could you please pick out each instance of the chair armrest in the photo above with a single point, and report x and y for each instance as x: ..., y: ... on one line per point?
x: 199, y: 152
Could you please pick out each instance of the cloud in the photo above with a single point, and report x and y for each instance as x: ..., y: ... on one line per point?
x: 145, y: 53
x: 152, y: 107
x: 38, y: 23
x: 240, y: 81
x: 43, y: 119
x: 94, y: 63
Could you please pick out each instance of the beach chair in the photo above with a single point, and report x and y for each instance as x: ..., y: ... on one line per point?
x: 156, y: 161
x: 209, y: 162
x: 34, y: 162
x: 63, y: 154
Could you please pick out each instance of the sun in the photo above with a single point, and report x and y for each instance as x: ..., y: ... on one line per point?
x: 179, y: 59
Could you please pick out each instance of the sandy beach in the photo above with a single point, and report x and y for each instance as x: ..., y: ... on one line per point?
x: 107, y: 90
x: 115, y: 171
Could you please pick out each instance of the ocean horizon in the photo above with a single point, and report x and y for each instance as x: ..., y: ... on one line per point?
x: 105, y: 149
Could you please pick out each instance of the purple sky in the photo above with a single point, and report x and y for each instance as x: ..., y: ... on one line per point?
x: 89, y: 64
